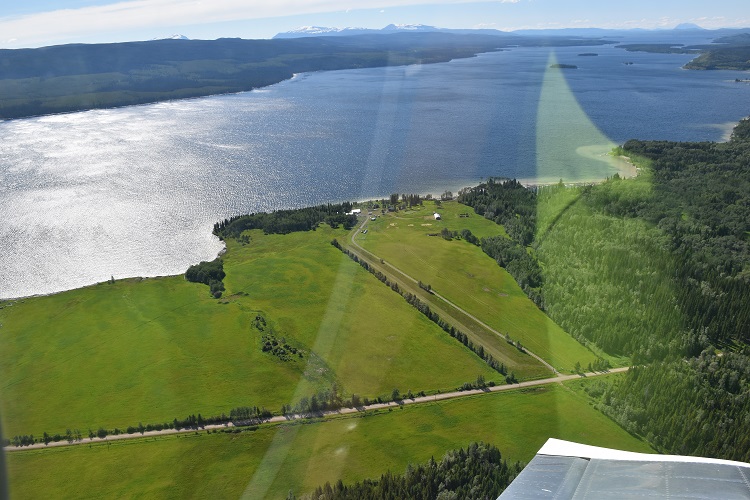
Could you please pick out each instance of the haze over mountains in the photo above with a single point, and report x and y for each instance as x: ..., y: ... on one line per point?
x: 390, y: 29
x: 308, y: 31
x: 75, y: 77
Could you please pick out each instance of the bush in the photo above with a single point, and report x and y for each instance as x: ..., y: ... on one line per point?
x: 209, y: 273
x: 206, y: 272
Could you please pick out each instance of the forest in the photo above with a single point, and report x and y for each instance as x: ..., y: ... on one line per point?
x: 287, y: 221
x: 478, y: 472
x: 730, y: 52
x: 510, y: 204
x: 697, y: 400
x: 656, y: 268
x: 75, y: 77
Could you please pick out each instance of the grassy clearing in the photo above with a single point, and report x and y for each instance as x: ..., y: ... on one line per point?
x: 151, y: 350
x: 371, y: 339
x: 465, y: 275
x: 272, y: 460
x: 135, y: 351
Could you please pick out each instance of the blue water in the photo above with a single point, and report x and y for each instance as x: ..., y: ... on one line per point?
x: 134, y: 191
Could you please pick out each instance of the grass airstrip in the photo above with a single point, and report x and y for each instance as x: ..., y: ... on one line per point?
x: 149, y: 350
x: 463, y: 274
x: 114, y: 355
x: 273, y: 460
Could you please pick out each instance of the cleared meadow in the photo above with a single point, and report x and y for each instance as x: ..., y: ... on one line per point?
x: 273, y: 460
x: 114, y: 355
x: 462, y: 273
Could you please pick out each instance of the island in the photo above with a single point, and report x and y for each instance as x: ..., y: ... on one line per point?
x: 659, y: 48
x: 588, y: 54
x: 563, y: 66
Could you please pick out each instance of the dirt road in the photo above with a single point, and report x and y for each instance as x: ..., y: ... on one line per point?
x: 371, y: 257
x: 343, y: 411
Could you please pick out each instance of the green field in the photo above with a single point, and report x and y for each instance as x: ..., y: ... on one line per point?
x: 114, y: 355
x: 369, y: 336
x: 149, y: 350
x: 463, y: 274
x: 273, y: 460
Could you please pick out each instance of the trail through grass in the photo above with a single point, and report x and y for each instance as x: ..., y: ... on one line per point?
x: 466, y: 276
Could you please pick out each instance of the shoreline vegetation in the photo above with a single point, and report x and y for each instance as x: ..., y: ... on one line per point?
x: 625, y: 169
x: 628, y: 170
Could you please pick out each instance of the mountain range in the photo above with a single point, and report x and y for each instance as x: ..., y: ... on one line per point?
x: 308, y: 31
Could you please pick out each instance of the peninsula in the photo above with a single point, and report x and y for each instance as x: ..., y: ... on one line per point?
x: 76, y: 77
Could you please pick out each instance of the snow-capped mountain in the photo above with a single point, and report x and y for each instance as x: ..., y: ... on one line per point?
x: 391, y: 28
x: 319, y: 30
x: 410, y: 27
x: 173, y: 37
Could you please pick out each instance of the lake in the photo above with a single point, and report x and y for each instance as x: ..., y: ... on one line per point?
x: 135, y: 191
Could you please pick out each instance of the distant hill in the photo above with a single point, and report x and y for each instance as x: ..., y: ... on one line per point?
x: 76, y: 77
x: 730, y: 52
x: 688, y: 26
x: 729, y: 58
x: 173, y: 37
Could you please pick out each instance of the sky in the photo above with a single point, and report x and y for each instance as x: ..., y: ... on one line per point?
x: 35, y: 23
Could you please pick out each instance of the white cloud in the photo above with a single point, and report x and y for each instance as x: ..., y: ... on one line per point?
x: 129, y: 19
x: 35, y: 29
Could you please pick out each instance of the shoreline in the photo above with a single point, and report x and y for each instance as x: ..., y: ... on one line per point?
x: 299, y: 75
x: 124, y: 278
x: 526, y: 182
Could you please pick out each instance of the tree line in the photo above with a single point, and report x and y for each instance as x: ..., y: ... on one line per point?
x: 287, y: 221
x: 508, y: 203
x: 407, y: 200
x: 415, y: 302
x: 209, y: 273
x: 477, y: 472
x: 657, y: 267
x: 243, y: 415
